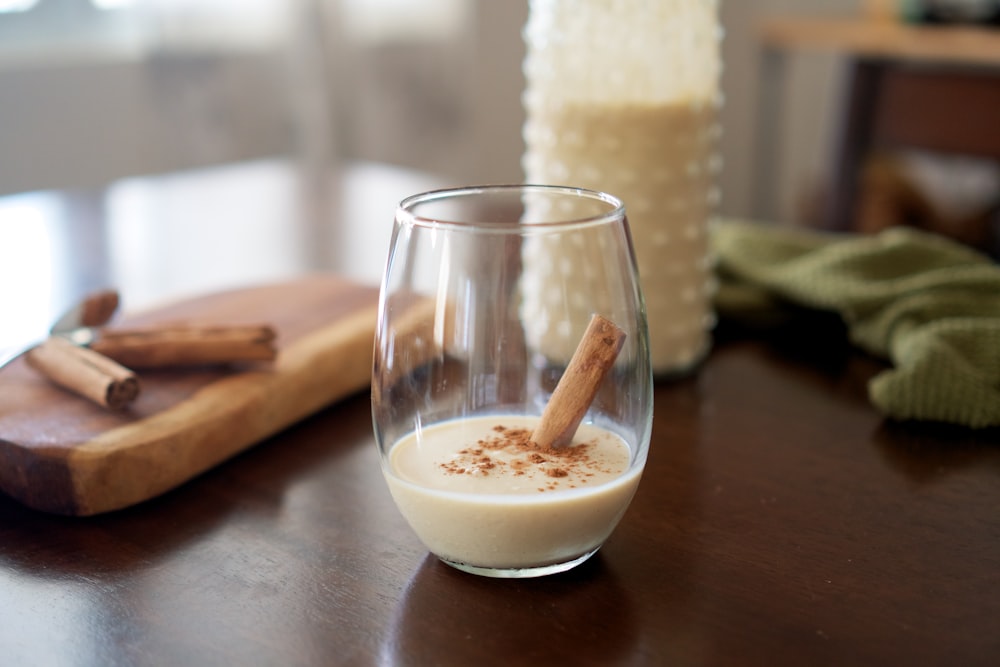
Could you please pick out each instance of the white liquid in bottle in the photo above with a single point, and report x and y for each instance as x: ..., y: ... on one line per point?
x: 625, y: 101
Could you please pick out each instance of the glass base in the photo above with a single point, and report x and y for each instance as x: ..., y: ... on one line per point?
x: 519, y: 572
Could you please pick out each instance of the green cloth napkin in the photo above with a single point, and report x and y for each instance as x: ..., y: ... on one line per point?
x: 926, y: 304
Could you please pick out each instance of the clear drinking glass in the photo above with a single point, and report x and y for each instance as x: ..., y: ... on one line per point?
x: 477, y: 326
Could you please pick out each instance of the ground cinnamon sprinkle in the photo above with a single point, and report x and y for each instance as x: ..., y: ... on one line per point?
x: 512, y: 452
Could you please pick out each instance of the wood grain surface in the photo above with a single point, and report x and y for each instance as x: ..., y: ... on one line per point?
x: 60, y: 453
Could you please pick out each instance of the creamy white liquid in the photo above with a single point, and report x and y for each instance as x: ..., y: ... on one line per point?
x: 473, y: 501
x: 660, y: 159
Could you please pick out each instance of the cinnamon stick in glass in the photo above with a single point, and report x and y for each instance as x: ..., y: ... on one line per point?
x: 85, y: 372
x: 594, y: 356
x: 175, y: 346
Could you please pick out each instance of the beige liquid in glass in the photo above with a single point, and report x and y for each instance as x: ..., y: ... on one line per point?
x: 484, y: 497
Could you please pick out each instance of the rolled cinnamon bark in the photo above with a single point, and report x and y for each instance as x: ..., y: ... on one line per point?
x: 594, y: 355
x: 174, y: 346
x: 98, y: 308
x: 85, y: 372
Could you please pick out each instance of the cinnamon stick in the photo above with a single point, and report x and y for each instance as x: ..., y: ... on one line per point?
x: 594, y: 356
x: 98, y: 308
x: 187, y: 345
x: 85, y: 372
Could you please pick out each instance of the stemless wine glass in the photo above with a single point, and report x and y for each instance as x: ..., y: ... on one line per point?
x: 482, y: 307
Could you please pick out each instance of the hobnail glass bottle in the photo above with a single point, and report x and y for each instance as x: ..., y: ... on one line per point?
x: 622, y: 96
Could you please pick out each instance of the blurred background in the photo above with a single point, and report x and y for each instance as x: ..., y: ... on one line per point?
x: 97, y: 90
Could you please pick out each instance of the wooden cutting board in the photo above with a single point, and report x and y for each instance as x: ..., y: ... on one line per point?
x: 60, y: 453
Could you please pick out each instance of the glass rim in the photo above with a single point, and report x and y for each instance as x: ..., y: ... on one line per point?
x: 406, y: 209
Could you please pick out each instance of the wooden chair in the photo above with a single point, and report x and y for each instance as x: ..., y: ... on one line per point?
x: 892, y: 106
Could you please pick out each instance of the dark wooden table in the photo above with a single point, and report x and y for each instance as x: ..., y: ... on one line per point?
x: 780, y: 521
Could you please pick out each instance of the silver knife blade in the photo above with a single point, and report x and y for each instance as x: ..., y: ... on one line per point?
x: 77, y: 324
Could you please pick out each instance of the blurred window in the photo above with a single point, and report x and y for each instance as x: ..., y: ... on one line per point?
x: 374, y: 21
x: 11, y: 6
x: 32, y: 28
